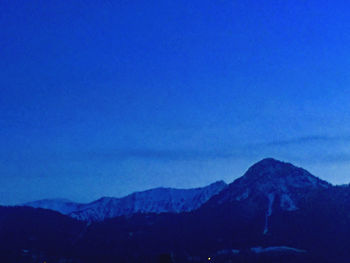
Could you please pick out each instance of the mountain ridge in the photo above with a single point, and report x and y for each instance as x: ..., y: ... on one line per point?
x: 156, y: 200
x: 268, y: 179
x: 276, y: 212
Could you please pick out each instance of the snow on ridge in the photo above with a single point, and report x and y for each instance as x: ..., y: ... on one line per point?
x: 228, y: 251
x: 157, y: 200
x: 276, y: 249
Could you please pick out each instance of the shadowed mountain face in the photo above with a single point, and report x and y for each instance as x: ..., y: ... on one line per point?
x: 275, y: 212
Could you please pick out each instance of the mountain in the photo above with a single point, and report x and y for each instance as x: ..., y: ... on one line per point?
x: 37, y: 235
x: 158, y: 200
x: 62, y: 206
x: 273, y: 179
x: 271, y: 185
x: 275, y: 212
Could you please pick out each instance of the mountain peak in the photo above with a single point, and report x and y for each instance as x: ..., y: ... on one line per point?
x: 270, y: 179
x: 270, y: 170
x: 268, y: 161
x: 271, y: 165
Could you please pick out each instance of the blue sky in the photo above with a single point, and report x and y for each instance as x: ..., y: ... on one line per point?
x: 102, y: 98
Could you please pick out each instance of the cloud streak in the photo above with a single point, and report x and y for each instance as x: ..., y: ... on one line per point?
x: 308, y: 139
x: 314, y: 148
x: 164, y: 154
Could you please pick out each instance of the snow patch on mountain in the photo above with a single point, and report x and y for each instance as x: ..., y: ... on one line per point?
x: 287, y: 203
x: 228, y: 251
x: 271, y: 198
x: 276, y: 249
x: 243, y: 196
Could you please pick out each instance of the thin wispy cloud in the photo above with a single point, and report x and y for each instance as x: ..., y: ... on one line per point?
x: 313, y: 148
x: 308, y: 139
x: 163, y: 154
x: 308, y: 148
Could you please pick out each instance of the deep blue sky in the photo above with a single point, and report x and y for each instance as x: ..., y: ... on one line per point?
x: 102, y: 98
